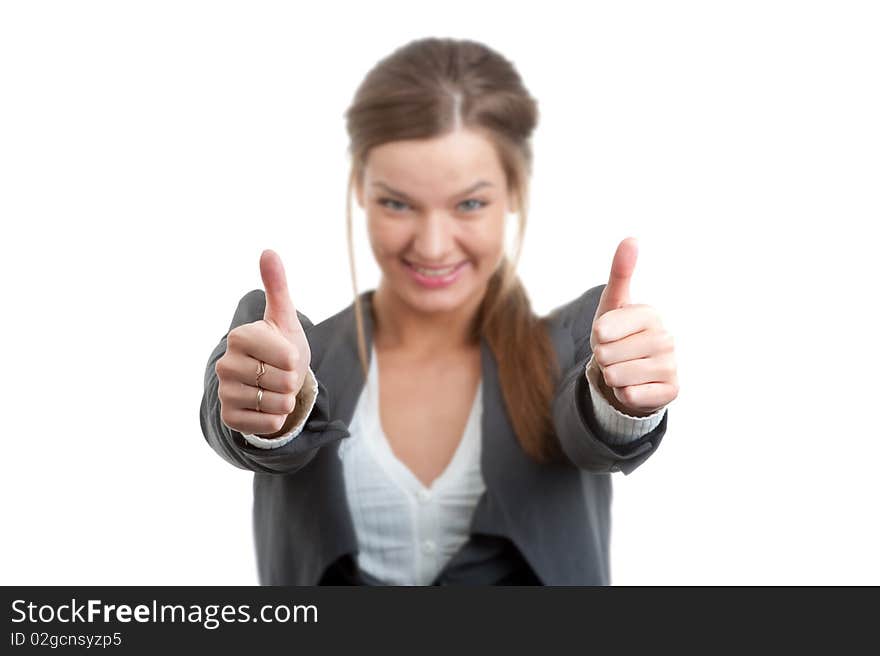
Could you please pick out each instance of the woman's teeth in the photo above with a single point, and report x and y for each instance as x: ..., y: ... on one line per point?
x: 434, y: 272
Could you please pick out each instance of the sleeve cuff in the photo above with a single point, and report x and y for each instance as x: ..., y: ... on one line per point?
x: 305, y: 401
x: 621, y: 428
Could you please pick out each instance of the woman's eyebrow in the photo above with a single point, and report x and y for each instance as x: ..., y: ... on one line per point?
x: 469, y: 190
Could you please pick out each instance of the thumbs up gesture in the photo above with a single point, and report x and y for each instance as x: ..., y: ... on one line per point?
x: 634, y: 353
x: 275, y: 345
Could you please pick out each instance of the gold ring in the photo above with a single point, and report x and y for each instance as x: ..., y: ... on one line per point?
x: 259, y: 398
x: 260, y: 371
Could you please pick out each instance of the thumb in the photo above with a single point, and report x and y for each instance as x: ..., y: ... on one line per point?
x: 616, y: 292
x: 280, y: 311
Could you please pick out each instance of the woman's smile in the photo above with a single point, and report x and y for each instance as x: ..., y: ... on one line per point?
x: 435, y: 277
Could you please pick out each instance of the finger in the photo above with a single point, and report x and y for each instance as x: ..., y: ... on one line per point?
x: 648, y: 397
x: 656, y: 369
x: 643, y: 344
x: 253, y: 422
x: 280, y: 311
x: 625, y: 321
x: 243, y: 368
x: 262, y: 342
x: 616, y: 292
x: 244, y: 397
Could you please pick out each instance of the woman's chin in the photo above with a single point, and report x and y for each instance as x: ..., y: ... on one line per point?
x: 434, y: 300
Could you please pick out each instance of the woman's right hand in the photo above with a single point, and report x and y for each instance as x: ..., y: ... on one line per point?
x: 278, y: 340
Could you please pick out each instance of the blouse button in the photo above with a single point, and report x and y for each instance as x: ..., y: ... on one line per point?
x: 428, y: 546
x: 424, y: 496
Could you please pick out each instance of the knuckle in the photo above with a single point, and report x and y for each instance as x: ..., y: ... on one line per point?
x: 289, y: 403
x: 599, y: 354
x: 290, y: 358
x: 288, y: 381
x: 234, y: 338
x: 630, y: 395
x: 221, y: 368
x: 610, y: 377
x: 229, y: 393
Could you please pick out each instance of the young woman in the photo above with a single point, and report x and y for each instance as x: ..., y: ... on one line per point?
x: 436, y: 431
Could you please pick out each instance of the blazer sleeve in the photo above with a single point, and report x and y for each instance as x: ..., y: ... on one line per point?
x: 319, y: 429
x: 586, y: 444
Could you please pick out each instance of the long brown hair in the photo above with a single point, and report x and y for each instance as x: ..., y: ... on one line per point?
x: 428, y: 88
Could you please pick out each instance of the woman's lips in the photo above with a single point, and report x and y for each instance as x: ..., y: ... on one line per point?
x: 432, y: 282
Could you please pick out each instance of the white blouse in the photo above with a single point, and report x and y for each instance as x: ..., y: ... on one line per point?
x: 406, y: 532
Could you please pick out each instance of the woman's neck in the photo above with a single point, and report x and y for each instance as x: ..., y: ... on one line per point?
x: 398, y: 326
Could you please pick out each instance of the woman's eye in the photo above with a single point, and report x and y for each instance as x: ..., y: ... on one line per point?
x: 398, y: 205
x: 481, y: 205
x: 384, y: 201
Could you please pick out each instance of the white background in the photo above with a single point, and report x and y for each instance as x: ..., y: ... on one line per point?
x: 149, y: 151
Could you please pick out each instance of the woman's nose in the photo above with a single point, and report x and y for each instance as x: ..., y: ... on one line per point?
x: 434, y: 236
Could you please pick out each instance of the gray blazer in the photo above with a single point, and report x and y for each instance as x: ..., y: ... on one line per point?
x: 557, y: 515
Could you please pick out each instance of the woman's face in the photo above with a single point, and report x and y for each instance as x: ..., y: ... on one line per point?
x: 436, y: 203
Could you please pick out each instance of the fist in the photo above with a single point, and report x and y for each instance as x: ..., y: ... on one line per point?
x: 634, y: 353
x: 279, y: 342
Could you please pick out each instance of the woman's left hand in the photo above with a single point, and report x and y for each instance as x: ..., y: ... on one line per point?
x: 634, y: 352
